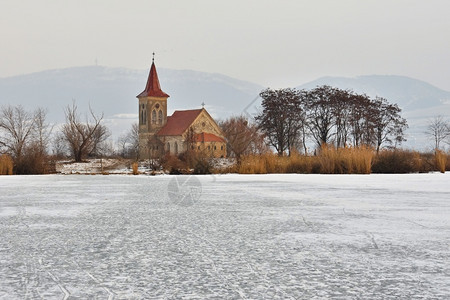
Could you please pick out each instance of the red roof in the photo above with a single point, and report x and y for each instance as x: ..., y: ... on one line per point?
x: 207, y: 137
x: 153, y: 88
x: 179, y: 122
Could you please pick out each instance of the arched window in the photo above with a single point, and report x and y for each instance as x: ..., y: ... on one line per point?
x: 168, y: 147
x: 160, y: 117
x: 154, y: 117
x: 176, y: 148
x: 143, y: 114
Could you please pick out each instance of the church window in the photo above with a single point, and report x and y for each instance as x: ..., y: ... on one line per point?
x: 160, y: 117
x: 154, y: 117
x: 143, y: 114
x: 221, y: 147
x: 168, y: 147
x: 209, y: 147
x: 215, y: 148
x: 176, y: 148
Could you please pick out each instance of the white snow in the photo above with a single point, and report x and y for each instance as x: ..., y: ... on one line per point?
x: 235, y: 236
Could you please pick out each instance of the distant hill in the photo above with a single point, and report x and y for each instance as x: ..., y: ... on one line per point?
x: 113, y: 91
x: 408, y: 93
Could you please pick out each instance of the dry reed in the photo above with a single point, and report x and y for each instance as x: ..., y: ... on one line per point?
x: 6, y: 165
x: 135, y: 166
x: 440, y: 160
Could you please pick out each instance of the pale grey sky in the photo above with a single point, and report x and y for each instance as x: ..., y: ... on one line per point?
x: 274, y: 43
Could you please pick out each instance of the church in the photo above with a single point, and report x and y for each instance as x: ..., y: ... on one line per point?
x: 184, y: 130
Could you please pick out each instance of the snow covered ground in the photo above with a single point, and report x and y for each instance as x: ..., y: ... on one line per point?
x: 225, y: 237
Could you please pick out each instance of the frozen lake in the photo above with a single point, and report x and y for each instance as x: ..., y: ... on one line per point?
x: 225, y: 237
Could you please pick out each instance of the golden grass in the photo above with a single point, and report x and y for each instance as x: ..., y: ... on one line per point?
x: 349, y: 160
x: 252, y: 164
x: 329, y: 161
x: 135, y: 166
x: 6, y: 165
x: 440, y: 159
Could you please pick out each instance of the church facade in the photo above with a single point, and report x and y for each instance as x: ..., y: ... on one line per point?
x: 185, y: 130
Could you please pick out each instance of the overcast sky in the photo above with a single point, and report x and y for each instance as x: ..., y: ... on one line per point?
x: 273, y: 43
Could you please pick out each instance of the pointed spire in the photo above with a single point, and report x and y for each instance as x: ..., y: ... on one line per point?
x: 153, y: 88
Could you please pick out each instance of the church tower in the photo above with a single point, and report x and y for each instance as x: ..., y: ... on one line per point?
x: 152, y: 115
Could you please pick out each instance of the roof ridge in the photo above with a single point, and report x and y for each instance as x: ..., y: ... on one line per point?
x: 179, y: 122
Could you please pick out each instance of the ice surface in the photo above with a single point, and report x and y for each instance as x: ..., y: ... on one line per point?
x: 249, y: 237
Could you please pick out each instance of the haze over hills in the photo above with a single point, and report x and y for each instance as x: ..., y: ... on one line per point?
x: 408, y: 93
x: 113, y: 91
x: 419, y: 101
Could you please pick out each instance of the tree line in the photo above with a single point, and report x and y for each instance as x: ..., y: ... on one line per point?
x: 290, y: 120
x: 328, y: 115
x: 26, y: 137
x: 305, y: 120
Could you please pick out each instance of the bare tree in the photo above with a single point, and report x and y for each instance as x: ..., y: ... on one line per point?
x: 129, y: 142
x: 191, y: 153
x: 122, y: 143
x: 17, y: 127
x: 59, y: 145
x: 320, y: 113
x: 388, y: 124
x: 100, y: 145
x: 43, y: 131
x: 25, y: 136
x: 438, y: 129
x: 133, y: 135
x: 242, y: 137
x: 83, y: 138
x: 280, y: 119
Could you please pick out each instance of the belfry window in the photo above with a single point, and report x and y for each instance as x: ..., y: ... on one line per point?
x: 160, y: 117
x: 143, y: 114
x: 154, y: 117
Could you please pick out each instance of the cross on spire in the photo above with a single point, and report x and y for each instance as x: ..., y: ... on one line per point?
x: 153, y: 59
x: 203, y: 104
